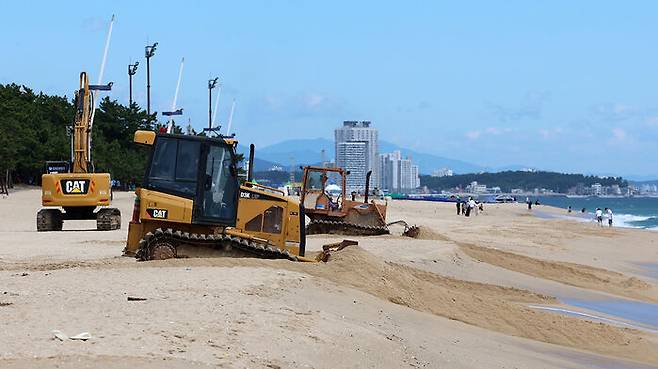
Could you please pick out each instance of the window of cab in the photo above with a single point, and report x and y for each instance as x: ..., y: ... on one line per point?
x: 175, y: 166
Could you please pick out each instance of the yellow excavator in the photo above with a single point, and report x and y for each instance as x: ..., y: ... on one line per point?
x: 73, y: 186
x: 191, y: 204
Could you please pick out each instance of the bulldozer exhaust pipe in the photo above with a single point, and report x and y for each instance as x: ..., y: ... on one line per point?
x: 250, y: 172
x: 365, y: 197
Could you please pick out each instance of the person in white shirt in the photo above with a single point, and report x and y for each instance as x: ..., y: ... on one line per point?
x: 608, y: 213
x: 470, y: 204
x: 599, y: 216
x: 475, y: 207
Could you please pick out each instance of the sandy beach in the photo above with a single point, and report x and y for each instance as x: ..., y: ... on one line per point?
x: 468, y: 293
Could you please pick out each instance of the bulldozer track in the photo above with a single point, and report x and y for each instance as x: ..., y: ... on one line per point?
x: 163, y: 243
x: 320, y: 226
x: 108, y: 219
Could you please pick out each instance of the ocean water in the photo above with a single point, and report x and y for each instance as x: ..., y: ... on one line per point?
x: 632, y: 212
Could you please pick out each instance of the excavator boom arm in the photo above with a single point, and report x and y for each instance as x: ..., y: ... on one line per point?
x: 80, y: 140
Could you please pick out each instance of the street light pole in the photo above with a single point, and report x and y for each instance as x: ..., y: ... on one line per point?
x: 149, y: 51
x: 132, y: 69
x: 211, y: 85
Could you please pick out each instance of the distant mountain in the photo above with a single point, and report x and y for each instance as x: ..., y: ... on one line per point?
x: 297, y: 152
x: 429, y: 162
x: 308, y: 151
x: 259, y: 163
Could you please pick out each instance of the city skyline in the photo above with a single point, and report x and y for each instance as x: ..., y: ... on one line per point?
x: 357, y: 151
x: 553, y: 86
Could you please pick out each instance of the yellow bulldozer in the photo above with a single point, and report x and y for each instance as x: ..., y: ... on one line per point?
x: 73, y: 186
x: 191, y: 204
x: 325, y: 202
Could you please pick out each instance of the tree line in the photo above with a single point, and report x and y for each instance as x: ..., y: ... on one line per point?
x: 35, y: 128
x: 508, y: 180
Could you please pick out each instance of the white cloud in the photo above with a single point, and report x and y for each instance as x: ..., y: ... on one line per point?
x: 497, y: 131
x: 613, y: 112
x: 548, y: 133
x: 530, y: 107
x: 303, y: 105
x: 619, y: 134
x: 473, y: 135
x: 652, y: 121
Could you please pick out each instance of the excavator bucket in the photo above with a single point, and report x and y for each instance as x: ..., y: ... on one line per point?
x: 412, y: 232
x: 328, y: 249
x: 409, y: 231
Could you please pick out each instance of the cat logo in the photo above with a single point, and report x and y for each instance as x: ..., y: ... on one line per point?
x: 75, y: 186
x: 157, y: 213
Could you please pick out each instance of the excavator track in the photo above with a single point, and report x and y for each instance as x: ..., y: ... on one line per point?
x: 165, y: 244
x: 320, y: 226
x: 108, y: 219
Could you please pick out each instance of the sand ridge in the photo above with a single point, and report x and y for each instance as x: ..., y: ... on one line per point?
x: 568, y: 273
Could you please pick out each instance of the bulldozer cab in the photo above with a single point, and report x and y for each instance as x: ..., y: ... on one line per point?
x: 200, y: 169
x: 323, y: 190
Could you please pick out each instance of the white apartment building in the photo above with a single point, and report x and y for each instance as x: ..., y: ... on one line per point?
x: 415, y: 176
x: 398, y: 174
x: 361, y: 131
x: 597, y: 189
x: 353, y: 156
x: 474, y: 187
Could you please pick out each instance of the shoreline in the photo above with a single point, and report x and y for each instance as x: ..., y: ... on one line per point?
x: 619, y: 220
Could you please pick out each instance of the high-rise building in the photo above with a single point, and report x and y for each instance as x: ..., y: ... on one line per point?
x: 415, y: 176
x: 389, y: 171
x: 398, y: 174
x: 353, y: 156
x: 360, y: 131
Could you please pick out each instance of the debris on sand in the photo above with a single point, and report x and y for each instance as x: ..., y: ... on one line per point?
x: 78, y: 337
x: 81, y: 336
x: 134, y: 298
x: 59, y: 335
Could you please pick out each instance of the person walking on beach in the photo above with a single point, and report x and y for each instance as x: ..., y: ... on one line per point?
x: 459, y: 206
x: 608, y: 213
x: 468, y: 207
x: 599, y: 216
x: 569, y: 209
x: 471, y: 205
x: 529, y: 202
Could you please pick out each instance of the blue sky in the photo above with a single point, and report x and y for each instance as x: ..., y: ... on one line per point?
x: 561, y: 85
